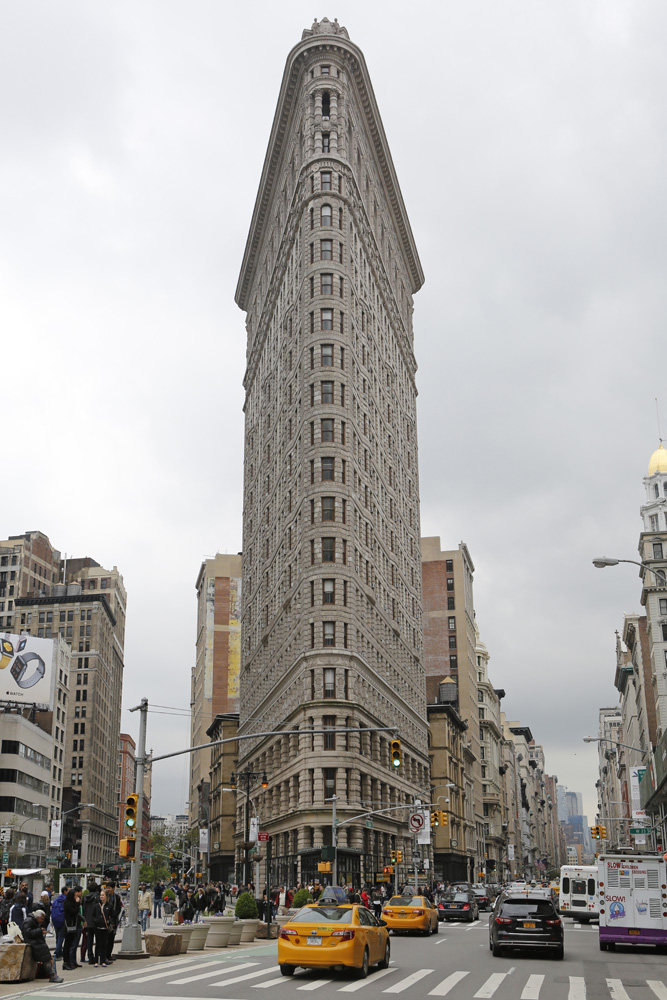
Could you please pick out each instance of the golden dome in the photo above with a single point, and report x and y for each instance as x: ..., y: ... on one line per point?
x: 658, y: 461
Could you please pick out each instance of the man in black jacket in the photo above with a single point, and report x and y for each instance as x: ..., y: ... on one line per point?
x: 33, y: 934
x: 115, y: 906
x: 90, y: 901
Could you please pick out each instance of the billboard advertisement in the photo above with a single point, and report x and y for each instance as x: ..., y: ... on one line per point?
x: 27, y: 674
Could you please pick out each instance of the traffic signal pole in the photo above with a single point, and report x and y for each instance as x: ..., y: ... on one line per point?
x: 131, y: 944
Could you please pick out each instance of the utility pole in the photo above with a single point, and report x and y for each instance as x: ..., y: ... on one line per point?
x: 334, y: 839
x: 131, y: 943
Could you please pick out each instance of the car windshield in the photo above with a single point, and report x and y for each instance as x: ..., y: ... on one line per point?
x: 527, y: 908
x: 406, y: 901
x: 479, y: 892
x: 322, y: 915
x: 461, y: 897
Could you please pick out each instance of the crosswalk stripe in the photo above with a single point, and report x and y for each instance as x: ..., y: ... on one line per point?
x: 531, y: 990
x: 577, y: 989
x: 182, y: 962
x: 373, y: 978
x: 269, y: 983
x: 658, y: 988
x: 617, y: 990
x: 315, y: 985
x: 443, y: 988
x: 208, y: 975
x: 173, y: 972
x: 491, y: 985
x: 403, y: 984
x: 248, y: 975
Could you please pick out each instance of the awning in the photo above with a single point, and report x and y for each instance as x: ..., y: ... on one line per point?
x: 30, y: 871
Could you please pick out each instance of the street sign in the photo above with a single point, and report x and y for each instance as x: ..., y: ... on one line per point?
x: 640, y: 829
x: 52, y: 861
x: 369, y: 824
x: 262, y: 837
x: 5, y: 858
x: 75, y: 857
x: 5, y: 834
x: 416, y: 822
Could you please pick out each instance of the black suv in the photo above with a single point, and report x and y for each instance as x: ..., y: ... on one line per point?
x: 524, y: 920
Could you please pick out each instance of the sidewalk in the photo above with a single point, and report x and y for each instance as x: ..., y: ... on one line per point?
x: 89, y: 972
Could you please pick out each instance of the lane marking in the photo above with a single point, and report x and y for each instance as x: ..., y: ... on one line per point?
x: 491, y: 985
x: 403, y: 984
x: 242, y: 979
x: 184, y: 962
x: 531, y: 990
x: 617, y: 990
x: 658, y: 988
x: 177, y: 972
x: 577, y: 988
x: 443, y: 988
x: 271, y: 982
x: 373, y: 978
x: 207, y: 975
x: 441, y: 940
x: 315, y: 985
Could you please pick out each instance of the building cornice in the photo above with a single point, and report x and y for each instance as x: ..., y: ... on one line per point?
x: 356, y: 65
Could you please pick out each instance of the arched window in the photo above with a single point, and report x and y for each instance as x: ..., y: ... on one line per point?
x: 325, y: 215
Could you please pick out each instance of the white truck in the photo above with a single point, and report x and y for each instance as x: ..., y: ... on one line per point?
x: 633, y: 900
x: 578, y: 893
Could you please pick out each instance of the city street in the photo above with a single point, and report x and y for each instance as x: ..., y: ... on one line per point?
x: 457, y: 964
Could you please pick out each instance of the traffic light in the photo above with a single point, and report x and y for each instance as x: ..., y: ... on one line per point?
x: 393, y: 857
x: 396, y: 753
x: 595, y: 832
x: 131, y: 806
x: 435, y: 818
x: 443, y: 818
x: 127, y: 847
x: 399, y: 856
x: 324, y: 866
x: 603, y: 832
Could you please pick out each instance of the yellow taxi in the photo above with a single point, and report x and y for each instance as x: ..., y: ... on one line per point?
x: 411, y: 913
x: 333, y: 935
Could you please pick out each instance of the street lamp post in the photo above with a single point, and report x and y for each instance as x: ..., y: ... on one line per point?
x: 628, y: 746
x: 248, y: 778
x: 600, y: 562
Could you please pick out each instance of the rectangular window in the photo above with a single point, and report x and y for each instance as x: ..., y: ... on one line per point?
x: 327, y: 391
x: 452, y: 642
x: 329, y: 722
x: 325, y: 180
x: 663, y: 605
x: 664, y: 633
x: 329, y: 782
x: 342, y: 394
x: 345, y: 635
x: 329, y: 633
x: 329, y: 682
x: 449, y: 565
x: 657, y: 550
x: 452, y: 624
x: 328, y: 591
x: 328, y: 509
x: 326, y: 249
x: 327, y: 469
x: 326, y: 319
x: 450, y: 583
x: 450, y: 604
x: 326, y: 284
x: 344, y: 552
x: 343, y: 468
x: 327, y: 355
x: 325, y: 142
x: 328, y: 550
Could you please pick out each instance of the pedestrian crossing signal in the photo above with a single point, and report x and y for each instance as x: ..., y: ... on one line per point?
x: 127, y: 847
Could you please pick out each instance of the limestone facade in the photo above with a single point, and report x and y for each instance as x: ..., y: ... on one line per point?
x: 331, y: 633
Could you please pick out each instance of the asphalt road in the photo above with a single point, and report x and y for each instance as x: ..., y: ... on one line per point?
x: 457, y: 964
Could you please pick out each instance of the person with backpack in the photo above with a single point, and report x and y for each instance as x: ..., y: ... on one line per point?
x: 19, y: 910
x: 58, y: 921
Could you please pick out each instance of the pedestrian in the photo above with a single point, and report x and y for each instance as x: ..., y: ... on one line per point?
x: 158, y: 893
x: 99, y: 926
x: 45, y: 905
x: 33, y: 934
x: 144, y: 906
x: 90, y: 900
x: 23, y: 887
x: 73, y: 923
x: 58, y: 921
x: 19, y: 910
x: 6, y: 904
x: 187, y: 910
x: 115, y: 908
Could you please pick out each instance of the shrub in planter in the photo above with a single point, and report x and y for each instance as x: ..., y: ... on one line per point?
x: 301, y: 897
x: 246, y: 907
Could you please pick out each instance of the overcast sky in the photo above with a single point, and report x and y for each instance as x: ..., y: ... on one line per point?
x: 529, y: 141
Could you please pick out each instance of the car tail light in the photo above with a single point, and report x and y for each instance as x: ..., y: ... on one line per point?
x: 287, y: 933
x: 343, y: 935
x: 503, y: 920
x: 388, y: 912
x: 554, y: 923
x: 418, y: 913
x: 466, y: 906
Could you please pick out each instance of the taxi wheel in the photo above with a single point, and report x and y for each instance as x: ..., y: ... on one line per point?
x: 365, y: 965
x: 384, y: 964
x: 286, y: 970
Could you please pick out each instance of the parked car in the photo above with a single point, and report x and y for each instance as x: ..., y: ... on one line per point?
x: 459, y: 904
x: 525, y: 920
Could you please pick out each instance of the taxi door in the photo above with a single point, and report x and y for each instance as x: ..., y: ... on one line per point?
x: 371, y: 933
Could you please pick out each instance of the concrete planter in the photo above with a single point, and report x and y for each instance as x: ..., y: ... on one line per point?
x: 198, y: 937
x: 235, y: 932
x: 218, y: 936
x: 185, y: 930
x: 248, y: 930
